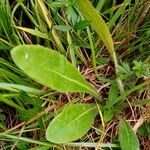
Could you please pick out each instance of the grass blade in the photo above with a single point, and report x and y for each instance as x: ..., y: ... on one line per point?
x: 15, y: 87
x: 10, y: 103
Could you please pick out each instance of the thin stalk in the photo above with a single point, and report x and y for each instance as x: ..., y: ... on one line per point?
x: 49, y: 22
x: 103, y: 125
x: 71, y: 48
x: 31, y: 141
x: 92, y: 145
x: 28, y: 14
x: 92, y: 50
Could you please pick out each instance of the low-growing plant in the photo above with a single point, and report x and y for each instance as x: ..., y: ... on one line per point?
x: 51, y: 69
x: 75, y: 76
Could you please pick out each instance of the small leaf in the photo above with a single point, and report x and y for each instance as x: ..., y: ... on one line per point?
x: 144, y: 130
x: 27, y: 114
x: 22, y: 145
x: 108, y: 115
x: 71, y: 14
x: 71, y: 124
x: 81, y: 25
x: 113, y: 92
x: 64, y: 28
x: 51, y: 69
x: 57, y: 4
x: 128, y: 139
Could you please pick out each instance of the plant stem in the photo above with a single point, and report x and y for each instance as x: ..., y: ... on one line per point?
x: 49, y: 22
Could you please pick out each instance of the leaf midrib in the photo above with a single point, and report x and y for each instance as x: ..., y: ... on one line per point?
x: 81, y: 115
x: 72, y: 80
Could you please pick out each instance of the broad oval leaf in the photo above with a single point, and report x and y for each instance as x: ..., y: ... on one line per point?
x: 50, y: 68
x: 128, y: 139
x: 71, y: 124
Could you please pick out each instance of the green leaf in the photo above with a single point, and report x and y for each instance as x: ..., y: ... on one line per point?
x: 35, y: 105
x: 144, y: 130
x: 27, y: 114
x: 71, y: 14
x: 51, y: 69
x: 113, y: 92
x: 22, y: 145
x: 25, y: 98
x: 10, y: 103
x: 128, y: 139
x: 122, y: 97
x: 64, y: 28
x: 81, y: 25
x: 2, y: 126
x: 71, y: 124
x: 97, y: 23
x: 14, y: 87
x: 108, y: 115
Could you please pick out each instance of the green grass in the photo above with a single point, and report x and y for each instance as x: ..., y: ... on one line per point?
x: 27, y: 107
